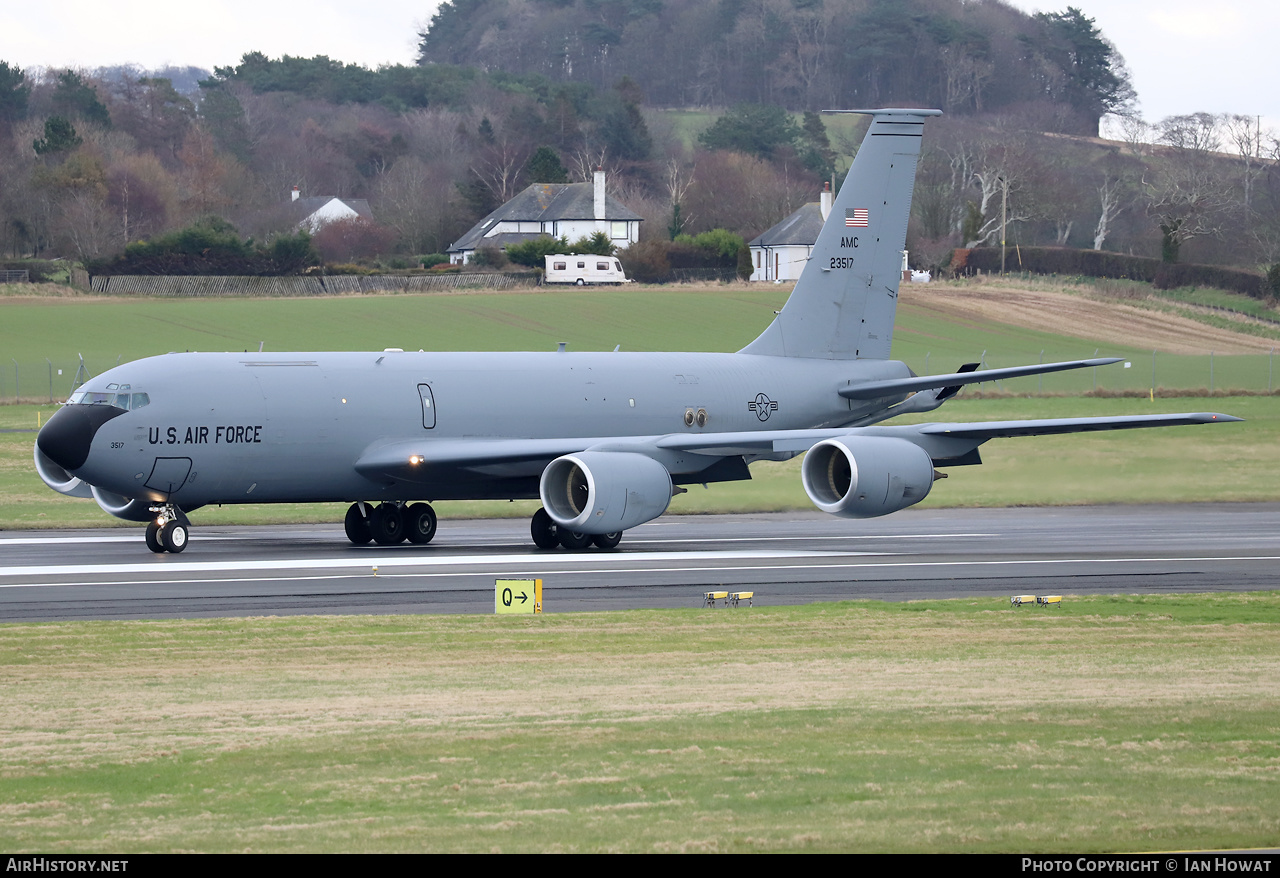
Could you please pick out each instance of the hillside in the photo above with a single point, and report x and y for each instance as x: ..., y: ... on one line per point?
x: 1060, y: 308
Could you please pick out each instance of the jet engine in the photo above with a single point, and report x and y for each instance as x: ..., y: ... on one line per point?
x: 602, y: 492
x: 866, y: 476
x: 124, y: 507
x: 58, y: 478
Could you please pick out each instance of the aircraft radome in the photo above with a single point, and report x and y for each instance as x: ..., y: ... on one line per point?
x: 604, y: 439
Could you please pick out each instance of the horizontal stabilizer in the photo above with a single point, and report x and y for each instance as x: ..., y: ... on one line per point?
x: 896, y: 386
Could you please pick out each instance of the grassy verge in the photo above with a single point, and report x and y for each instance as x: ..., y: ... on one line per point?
x: 1213, y: 463
x: 1112, y: 724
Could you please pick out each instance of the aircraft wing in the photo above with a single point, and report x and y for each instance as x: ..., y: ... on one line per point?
x: 1049, y: 426
x: 415, y: 459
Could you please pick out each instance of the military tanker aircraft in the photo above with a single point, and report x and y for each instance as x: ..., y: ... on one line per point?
x: 605, y: 439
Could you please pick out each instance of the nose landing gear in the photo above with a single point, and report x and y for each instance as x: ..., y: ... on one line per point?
x: 169, y: 530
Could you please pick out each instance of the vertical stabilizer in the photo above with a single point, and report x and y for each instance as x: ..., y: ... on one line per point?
x: 844, y: 303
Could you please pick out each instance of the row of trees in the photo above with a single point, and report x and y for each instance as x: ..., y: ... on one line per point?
x: 964, y: 57
x: 91, y: 163
x: 1202, y: 187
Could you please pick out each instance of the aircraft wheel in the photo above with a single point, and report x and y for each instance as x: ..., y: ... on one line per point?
x: 357, y: 526
x: 421, y: 523
x: 153, y: 538
x: 544, y: 531
x: 173, y: 536
x: 386, y: 524
x: 607, y: 541
x: 573, y: 540
x: 580, y: 282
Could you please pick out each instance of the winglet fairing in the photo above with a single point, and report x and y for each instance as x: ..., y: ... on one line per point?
x: 603, y: 439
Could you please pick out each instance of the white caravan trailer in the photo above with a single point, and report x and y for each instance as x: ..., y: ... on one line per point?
x: 584, y: 269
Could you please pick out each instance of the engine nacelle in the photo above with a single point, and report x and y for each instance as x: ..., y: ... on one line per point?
x: 601, y: 492
x: 124, y: 507
x: 59, y: 479
x: 866, y: 476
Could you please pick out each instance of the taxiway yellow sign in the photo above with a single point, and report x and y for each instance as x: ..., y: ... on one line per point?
x: 517, y: 596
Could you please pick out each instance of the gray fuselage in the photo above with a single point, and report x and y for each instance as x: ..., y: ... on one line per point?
x: 264, y: 428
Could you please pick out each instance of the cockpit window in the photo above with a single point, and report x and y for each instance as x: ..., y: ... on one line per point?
x: 126, y: 401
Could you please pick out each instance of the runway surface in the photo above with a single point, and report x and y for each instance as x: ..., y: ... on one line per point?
x: 788, y: 558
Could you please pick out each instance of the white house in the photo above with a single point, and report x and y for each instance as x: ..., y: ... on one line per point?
x: 316, y: 211
x: 571, y: 210
x: 782, y: 251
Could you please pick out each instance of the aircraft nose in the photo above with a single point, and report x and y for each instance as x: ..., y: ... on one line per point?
x: 65, y: 438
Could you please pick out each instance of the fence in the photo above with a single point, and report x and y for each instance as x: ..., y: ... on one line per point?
x: 53, y: 379
x: 8, y: 276
x: 47, y: 380
x: 329, y: 285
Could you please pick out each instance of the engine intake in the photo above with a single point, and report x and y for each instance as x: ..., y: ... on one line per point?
x: 601, y: 492
x: 58, y: 478
x: 120, y: 506
x: 866, y: 476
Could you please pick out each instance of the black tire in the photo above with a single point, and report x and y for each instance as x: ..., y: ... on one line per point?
x: 573, y: 540
x: 386, y: 524
x: 607, y: 541
x: 420, y: 523
x: 153, y: 538
x: 173, y: 536
x: 357, y: 526
x: 544, y: 531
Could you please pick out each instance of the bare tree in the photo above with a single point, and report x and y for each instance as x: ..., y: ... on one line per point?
x: 1109, y: 198
x: 678, y: 180
x: 1246, y: 135
x: 1136, y: 133
x: 1185, y: 193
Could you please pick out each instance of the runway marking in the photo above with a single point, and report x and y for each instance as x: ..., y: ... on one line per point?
x: 819, y: 537
x: 368, y: 561
x: 873, y: 565
x: 43, y: 541
x: 134, y: 538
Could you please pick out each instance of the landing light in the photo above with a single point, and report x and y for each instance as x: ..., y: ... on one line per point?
x: 415, y: 460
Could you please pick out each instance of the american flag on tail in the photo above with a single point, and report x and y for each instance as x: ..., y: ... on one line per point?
x: 856, y: 217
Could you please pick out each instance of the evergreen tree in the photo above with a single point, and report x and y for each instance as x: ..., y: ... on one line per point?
x: 14, y: 93
x: 59, y: 136
x: 75, y: 97
x: 544, y: 166
x: 754, y: 129
x: 1097, y: 81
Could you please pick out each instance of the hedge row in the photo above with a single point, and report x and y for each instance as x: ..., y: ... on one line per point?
x: 1099, y: 263
x: 658, y: 262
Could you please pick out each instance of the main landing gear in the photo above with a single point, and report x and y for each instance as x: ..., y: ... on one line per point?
x: 394, y: 522
x: 169, y: 530
x: 390, y: 523
x: 547, y: 535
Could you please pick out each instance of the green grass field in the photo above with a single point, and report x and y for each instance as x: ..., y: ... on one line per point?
x: 1111, y: 724
x: 44, y: 335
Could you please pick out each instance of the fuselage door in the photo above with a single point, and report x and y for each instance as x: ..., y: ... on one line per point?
x: 428, y: 406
